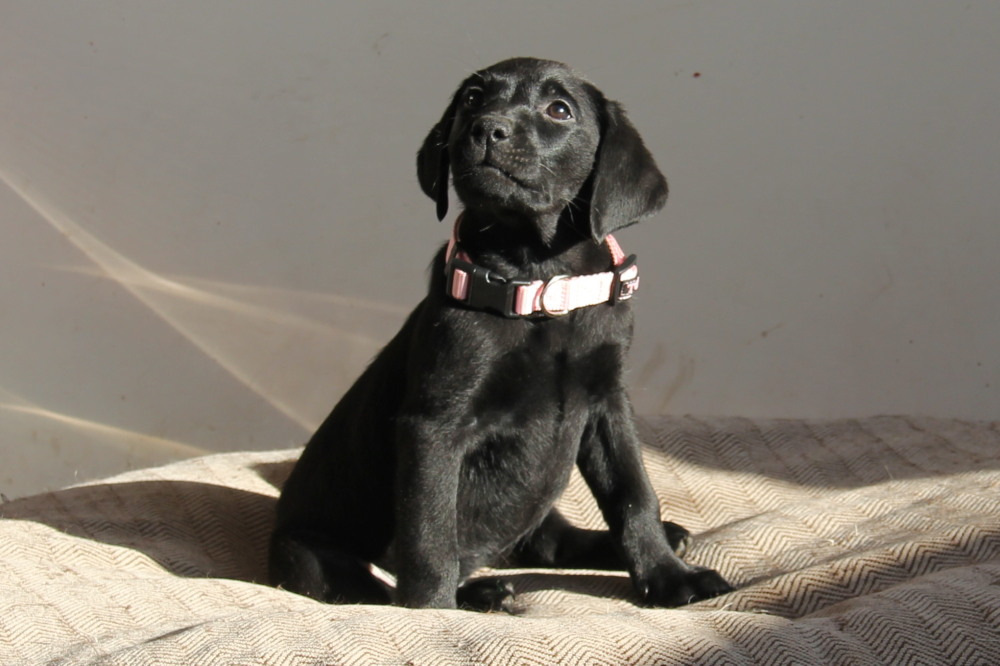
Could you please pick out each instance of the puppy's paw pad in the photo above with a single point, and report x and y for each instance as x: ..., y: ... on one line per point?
x: 486, y: 595
x: 678, y: 588
x: 708, y: 583
x: 678, y: 537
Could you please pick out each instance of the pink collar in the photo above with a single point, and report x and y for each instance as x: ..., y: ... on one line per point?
x: 483, y: 289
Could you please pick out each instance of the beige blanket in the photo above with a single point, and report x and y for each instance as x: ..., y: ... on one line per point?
x: 873, y: 541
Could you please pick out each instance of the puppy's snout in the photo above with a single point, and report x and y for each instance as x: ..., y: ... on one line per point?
x: 490, y: 130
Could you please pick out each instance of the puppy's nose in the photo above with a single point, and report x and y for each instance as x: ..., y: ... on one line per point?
x: 490, y: 130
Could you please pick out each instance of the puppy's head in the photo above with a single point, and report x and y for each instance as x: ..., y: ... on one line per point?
x: 529, y: 139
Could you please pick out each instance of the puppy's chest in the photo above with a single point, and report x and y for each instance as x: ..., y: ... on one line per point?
x: 543, y: 379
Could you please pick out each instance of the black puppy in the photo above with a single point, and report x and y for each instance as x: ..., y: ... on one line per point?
x: 450, y: 450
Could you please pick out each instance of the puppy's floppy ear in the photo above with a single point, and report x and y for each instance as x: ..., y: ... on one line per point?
x: 433, y: 163
x: 626, y: 185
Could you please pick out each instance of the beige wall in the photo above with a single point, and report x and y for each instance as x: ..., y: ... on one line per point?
x: 210, y: 216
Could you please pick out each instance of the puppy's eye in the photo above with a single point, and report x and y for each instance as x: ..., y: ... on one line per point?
x: 473, y: 98
x: 559, y: 110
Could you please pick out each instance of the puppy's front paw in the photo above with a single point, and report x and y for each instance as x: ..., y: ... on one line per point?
x: 678, y: 537
x: 486, y: 595
x: 672, y: 586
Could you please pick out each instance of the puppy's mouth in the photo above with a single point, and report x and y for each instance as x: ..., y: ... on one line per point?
x: 489, y: 168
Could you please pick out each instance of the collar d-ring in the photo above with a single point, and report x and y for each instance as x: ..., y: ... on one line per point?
x: 555, y: 279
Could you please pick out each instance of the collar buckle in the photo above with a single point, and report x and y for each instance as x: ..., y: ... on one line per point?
x: 486, y: 289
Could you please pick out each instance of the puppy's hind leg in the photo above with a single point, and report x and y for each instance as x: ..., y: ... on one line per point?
x: 558, y: 544
x: 310, y: 565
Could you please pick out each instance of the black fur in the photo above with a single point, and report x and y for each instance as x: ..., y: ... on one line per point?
x: 450, y: 450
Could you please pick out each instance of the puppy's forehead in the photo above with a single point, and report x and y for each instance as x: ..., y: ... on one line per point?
x: 526, y: 77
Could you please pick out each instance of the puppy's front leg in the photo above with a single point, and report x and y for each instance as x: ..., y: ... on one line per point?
x: 611, y: 462
x: 428, y: 461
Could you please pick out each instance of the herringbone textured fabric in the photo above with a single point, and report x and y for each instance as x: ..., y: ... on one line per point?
x: 872, y: 541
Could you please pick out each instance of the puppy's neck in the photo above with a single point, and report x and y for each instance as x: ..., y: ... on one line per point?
x: 529, y: 247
